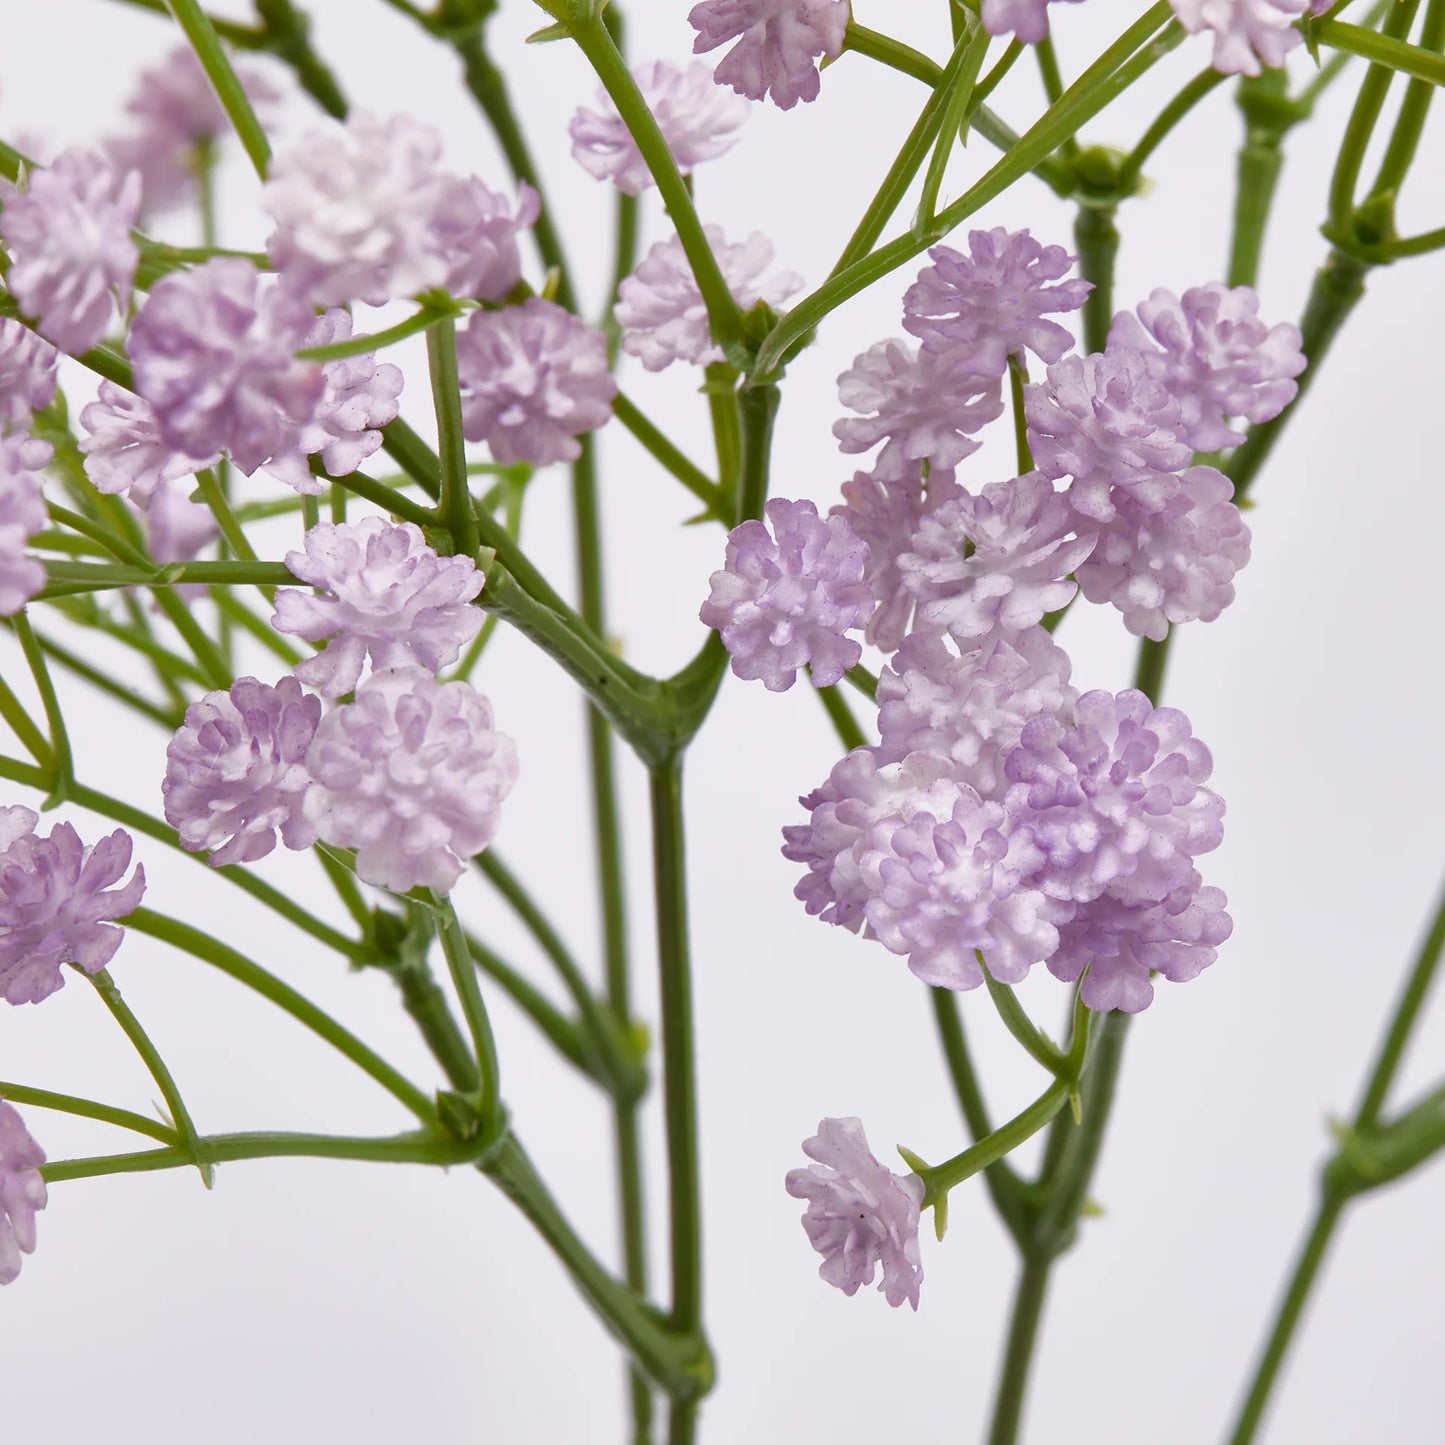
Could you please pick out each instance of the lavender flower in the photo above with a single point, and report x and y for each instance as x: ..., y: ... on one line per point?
x: 533, y: 378
x: 1218, y: 357
x: 992, y: 303
x: 178, y: 530
x: 1027, y: 19
x: 213, y: 351
x: 927, y: 404
x: 411, y: 775
x: 996, y: 562
x: 1116, y: 801
x: 22, y: 1191
x: 1120, y: 943
x: 360, y: 396
x: 27, y: 374
x: 22, y: 513
x: 1173, y: 565
x: 56, y: 901
x: 383, y: 590
x: 660, y: 308
x: 1246, y: 32
x: 124, y: 451
x: 785, y: 604
x: 1109, y: 422
x: 860, y: 1214
x: 696, y: 119
x: 363, y: 212
x: 72, y: 257
x: 177, y: 112
x: 236, y: 771
x: 779, y: 42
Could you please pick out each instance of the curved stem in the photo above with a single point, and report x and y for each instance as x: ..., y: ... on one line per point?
x: 88, y: 1109
x: 1160, y: 127
x: 474, y: 1008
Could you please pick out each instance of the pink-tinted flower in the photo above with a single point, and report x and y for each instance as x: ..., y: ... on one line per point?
x: 412, y: 776
x: 1027, y: 19
x: 860, y: 1215
x: 788, y: 603
x: 533, y: 379
x: 363, y: 212
x: 176, y: 112
x: 996, y: 562
x: 1173, y: 565
x: 27, y: 374
x: 22, y: 1191
x: 993, y: 302
x: 778, y: 44
x: 71, y: 253
x: 124, y: 451
x: 382, y: 590
x: 660, y: 308
x: 927, y: 404
x: 1246, y: 32
x: 697, y: 120
x: 22, y: 513
x: 360, y: 396
x: 56, y: 903
x: 179, y: 530
x: 214, y: 354
x: 236, y: 771
x: 1217, y: 357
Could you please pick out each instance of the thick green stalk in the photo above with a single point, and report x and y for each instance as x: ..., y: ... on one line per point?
x: 456, y: 509
x: 1028, y: 1308
x: 1097, y: 238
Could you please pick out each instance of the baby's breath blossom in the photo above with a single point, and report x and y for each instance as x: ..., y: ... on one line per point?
x: 412, y: 776
x: 382, y: 590
x: 27, y: 374
x: 697, y: 120
x: 1027, y: 19
x: 778, y: 44
x: 860, y: 1214
x: 123, y: 447
x: 1173, y: 565
x: 56, y: 903
x: 927, y: 404
x: 995, y: 562
x: 363, y: 212
x: 236, y: 771
x: 178, y: 530
x: 22, y: 1191
x: 22, y: 513
x: 1217, y: 357
x: 214, y: 354
x: 72, y: 260
x: 533, y: 378
x: 1246, y: 32
x: 992, y: 303
x: 788, y: 603
x: 660, y: 308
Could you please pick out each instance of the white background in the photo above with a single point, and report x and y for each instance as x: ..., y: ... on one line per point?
x: 331, y: 1301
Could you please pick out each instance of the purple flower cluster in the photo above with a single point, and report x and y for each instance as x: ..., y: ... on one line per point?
x: 22, y: 513
x: 1247, y: 34
x: 778, y: 44
x: 57, y: 902
x: 1026, y: 19
x: 27, y: 374
x: 22, y: 1191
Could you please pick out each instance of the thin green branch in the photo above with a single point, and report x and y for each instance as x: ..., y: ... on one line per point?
x: 201, y: 35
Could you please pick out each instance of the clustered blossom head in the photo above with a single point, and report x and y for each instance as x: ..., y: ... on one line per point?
x: 411, y: 775
x: 236, y: 771
x: 1247, y: 33
x: 27, y: 374
x: 861, y: 1216
x: 123, y: 448
x: 175, y: 112
x: 22, y: 513
x: 660, y: 307
x: 22, y: 1191
x: 56, y: 903
x: 213, y: 351
x: 697, y: 120
x: 788, y: 603
x: 993, y: 303
x: 363, y: 212
x: 381, y: 590
x: 1026, y: 19
x: 778, y: 44
x: 67, y: 228
x: 533, y: 379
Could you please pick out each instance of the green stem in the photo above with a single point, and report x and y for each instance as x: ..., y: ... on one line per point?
x: 1028, y: 1308
x: 287, y: 39
x: 88, y: 1109
x: 892, y: 53
x: 955, y: 94
x: 424, y: 319
x: 1024, y: 1030
x: 29, y: 736
x: 720, y: 387
x: 1018, y: 377
x: 474, y: 1008
x: 664, y: 451
x: 1149, y: 669
x: 1097, y: 239
x: 1410, y: 123
x: 62, y: 760
x: 201, y: 35
x: 1260, y: 160
x: 456, y: 499
x: 107, y: 684
x: 1160, y: 127
x: 118, y: 547
x: 841, y: 716
x: 757, y: 415
x: 1383, y: 50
